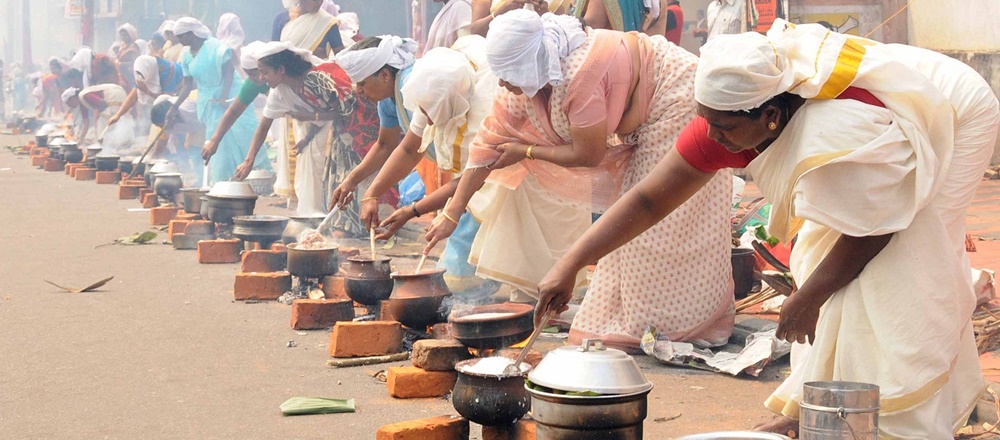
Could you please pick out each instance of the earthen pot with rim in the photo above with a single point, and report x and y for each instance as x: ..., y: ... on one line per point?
x: 368, y: 281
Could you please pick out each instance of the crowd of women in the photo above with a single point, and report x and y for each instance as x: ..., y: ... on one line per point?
x: 526, y: 124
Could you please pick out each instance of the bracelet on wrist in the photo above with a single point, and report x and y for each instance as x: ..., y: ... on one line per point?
x: 413, y: 207
x: 448, y: 217
x: 528, y: 153
x: 368, y: 198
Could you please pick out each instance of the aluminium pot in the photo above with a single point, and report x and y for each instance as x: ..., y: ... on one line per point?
x: 42, y: 140
x: 490, y: 400
x: 223, y: 209
x: 368, y: 281
x: 262, y: 229
x: 191, y: 199
x: 167, y: 185
x: 90, y: 162
x: 313, y: 263
x: 106, y: 163
x: 492, y: 326
x: 71, y: 152
x: 298, y: 224
x: 157, y: 168
x: 203, y: 207
x: 93, y: 151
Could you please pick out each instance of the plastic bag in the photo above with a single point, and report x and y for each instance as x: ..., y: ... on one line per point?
x: 411, y: 189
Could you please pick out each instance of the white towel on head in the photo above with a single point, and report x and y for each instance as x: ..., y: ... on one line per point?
x: 393, y: 51
x: 129, y: 29
x: 230, y: 31
x: 167, y: 25
x: 274, y: 47
x: 527, y: 50
x: 187, y: 24
x: 147, y: 73
x: 69, y: 93
x: 248, y: 56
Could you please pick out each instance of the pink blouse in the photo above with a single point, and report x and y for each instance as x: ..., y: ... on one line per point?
x: 608, y: 100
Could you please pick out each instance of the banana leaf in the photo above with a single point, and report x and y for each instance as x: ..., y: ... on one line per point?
x: 298, y: 406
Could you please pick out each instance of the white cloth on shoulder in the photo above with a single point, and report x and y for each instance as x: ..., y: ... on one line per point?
x: 230, y: 31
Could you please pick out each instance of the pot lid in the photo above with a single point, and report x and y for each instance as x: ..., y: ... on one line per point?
x: 164, y: 167
x: 158, y: 175
x: 95, y: 147
x: 590, y: 367
x: 232, y: 190
x: 108, y: 156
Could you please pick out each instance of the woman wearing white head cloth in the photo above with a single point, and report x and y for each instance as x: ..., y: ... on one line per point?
x: 379, y: 67
x: 153, y: 77
x: 313, y: 29
x: 126, y: 50
x: 173, y: 49
x: 454, y: 88
x: 230, y: 32
x: 96, y: 104
x: 453, y: 18
x: 320, y: 98
x: 207, y: 65
x: 547, y: 145
x: 871, y: 155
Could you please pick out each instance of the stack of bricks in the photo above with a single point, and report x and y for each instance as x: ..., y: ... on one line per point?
x: 130, y: 190
x: 186, y: 234
x: 84, y: 173
x: 54, y: 165
x: 432, y: 373
x: 371, y: 338
x: 162, y: 215
x: 108, y: 177
x: 263, y: 277
x: 148, y: 198
x: 434, y: 428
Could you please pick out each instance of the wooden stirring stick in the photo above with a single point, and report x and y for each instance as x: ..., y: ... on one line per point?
x: 420, y: 265
x: 372, y: 235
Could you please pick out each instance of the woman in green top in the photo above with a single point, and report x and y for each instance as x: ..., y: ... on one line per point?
x: 253, y: 87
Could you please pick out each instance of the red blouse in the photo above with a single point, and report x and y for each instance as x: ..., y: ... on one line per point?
x: 709, y: 156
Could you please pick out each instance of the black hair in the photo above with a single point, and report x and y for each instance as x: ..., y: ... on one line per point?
x: 674, y: 2
x: 369, y: 43
x: 294, y: 64
x: 158, y: 114
x: 158, y: 38
x: 781, y: 102
x: 55, y: 63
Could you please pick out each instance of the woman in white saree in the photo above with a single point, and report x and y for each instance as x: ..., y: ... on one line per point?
x: 871, y: 158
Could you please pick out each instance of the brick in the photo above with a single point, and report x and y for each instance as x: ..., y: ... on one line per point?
x: 439, y: 355
x: 278, y: 247
x: 533, y: 357
x: 108, y: 177
x: 441, y: 330
x: 415, y: 383
x: 84, y: 173
x: 313, y: 314
x: 148, y: 200
x: 176, y: 227
x: 187, y: 216
x: 373, y: 338
x: 434, y: 428
x: 162, y: 215
x: 54, y: 165
x: 219, y: 251
x: 128, y: 192
x: 200, y: 227
x: 384, y: 312
x: 524, y: 429
x: 69, y: 167
x: 38, y: 161
x: 333, y: 287
x: 260, y: 286
x: 264, y: 261
x: 37, y: 151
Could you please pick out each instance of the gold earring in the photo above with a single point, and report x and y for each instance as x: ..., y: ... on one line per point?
x: 772, y: 126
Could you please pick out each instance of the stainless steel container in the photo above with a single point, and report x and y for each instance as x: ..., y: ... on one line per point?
x: 839, y: 410
x: 616, y: 413
x: 312, y: 263
x: 735, y: 435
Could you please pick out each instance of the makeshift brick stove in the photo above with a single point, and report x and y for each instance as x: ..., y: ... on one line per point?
x: 308, y: 265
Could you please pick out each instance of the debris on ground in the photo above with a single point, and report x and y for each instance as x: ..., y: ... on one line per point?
x: 667, y: 419
x: 760, y: 349
x: 89, y: 288
x: 298, y: 406
x: 134, y: 239
x: 369, y: 360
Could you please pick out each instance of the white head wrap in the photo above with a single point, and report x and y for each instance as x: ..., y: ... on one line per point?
x: 167, y: 25
x: 230, y: 31
x: 161, y: 98
x: 393, y: 51
x: 289, y: 4
x: 274, y: 47
x: 129, y: 29
x: 248, y: 56
x: 147, y: 72
x: 69, y: 93
x: 740, y: 72
x: 83, y: 61
x: 349, y: 26
x: 330, y: 7
x: 188, y: 24
x: 527, y: 50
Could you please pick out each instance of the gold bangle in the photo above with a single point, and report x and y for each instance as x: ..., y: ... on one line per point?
x: 448, y: 217
x: 528, y: 153
x: 368, y: 198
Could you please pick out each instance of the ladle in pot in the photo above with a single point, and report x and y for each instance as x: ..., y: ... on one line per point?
x: 515, y: 368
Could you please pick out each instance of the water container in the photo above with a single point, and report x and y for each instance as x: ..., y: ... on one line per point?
x: 839, y: 410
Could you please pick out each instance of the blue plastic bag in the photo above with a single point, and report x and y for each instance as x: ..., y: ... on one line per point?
x: 411, y: 189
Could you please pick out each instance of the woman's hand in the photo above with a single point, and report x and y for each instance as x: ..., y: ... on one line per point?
x: 512, y: 5
x: 369, y: 213
x: 113, y: 120
x: 344, y: 193
x: 441, y: 228
x: 510, y: 154
x: 555, y: 291
x: 299, y: 147
x: 797, y: 321
x: 395, y: 222
x: 243, y: 170
x: 209, y: 150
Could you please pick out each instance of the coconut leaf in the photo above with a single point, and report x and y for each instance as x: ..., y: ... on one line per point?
x: 297, y: 406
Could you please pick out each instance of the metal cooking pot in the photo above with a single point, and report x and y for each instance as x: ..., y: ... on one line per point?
x: 55, y: 150
x: 298, y: 224
x: 71, y: 152
x: 90, y: 162
x: 157, y: 168
x: 125, y: 164
x: 617, y: 413
x: 262, y: 229
x: 106, y: 163
x: 490, y: 400
x: 743, y: 261
x: 203, y: 207
x: 313, y: 263
x: 139, y: 167
x: 42, y: 140
x: 492, y: 332
x: 223, y: 209
x: 368, y: 281
x: 191, y: 199
x: 93, y: 151
x: 167, y: 185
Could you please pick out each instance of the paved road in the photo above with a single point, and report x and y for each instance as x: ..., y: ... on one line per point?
x: 164, y: 352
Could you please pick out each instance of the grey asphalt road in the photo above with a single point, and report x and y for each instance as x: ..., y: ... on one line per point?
x: 163, y: 351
